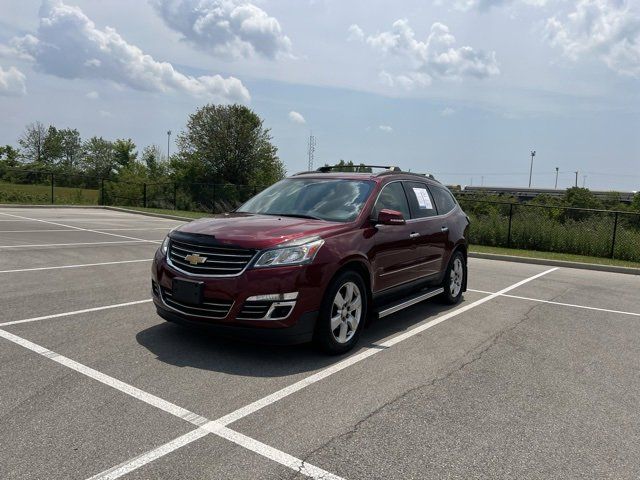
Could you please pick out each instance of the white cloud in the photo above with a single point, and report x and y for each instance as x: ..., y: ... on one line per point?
x: 447, y: 112
x: 234, y: 28
x: 355, y: 33
x: 484, y: 5
x: 385, y: 128
x: 93, y: 95
x: 12, y: 82
x: 606, y: 29
x: 296, y: 117
x: 436, y: 57
x: 69, y: 45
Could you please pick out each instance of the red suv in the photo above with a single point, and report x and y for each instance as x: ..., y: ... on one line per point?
x: 314, y: 256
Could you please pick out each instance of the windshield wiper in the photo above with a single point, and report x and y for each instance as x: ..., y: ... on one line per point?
x: 296, y: 215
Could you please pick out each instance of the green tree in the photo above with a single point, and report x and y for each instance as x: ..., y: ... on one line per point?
x: 99, y: 158
x: 52, y: 147
x: 349, y: 166
x: 611, y: 201
x: 226, y: 144
x: 32, y: 142
x: 635, y: 202
x: 71, y: 148
x: 155, y: 161
x: 124, y: 152
x: 9, y: 156
x: 577, y: 197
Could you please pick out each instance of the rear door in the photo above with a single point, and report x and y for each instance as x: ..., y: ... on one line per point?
x: 430, y: 235
x: 395, y: 258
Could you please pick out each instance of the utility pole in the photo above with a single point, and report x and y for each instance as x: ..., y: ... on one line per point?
x: 557, y: 177
x: 533, y: 154
x: 576, y: 172
x: 312, y: 151
x: 168, y: 141
x: 584, y: 180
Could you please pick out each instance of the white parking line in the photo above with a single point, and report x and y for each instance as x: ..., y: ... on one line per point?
x: 173, y: 409
x: 38, y: 231
x: 76, y: 312
x: 563, y: 304
x: 39, y: 269
x: 305, y: 382
x: 78, y: 228
x: 89, y: 231
x: 121, y: 242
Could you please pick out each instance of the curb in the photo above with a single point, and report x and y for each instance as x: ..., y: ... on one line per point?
x: 557, y: 263
x: 102, y: 207
x: 13, y: 205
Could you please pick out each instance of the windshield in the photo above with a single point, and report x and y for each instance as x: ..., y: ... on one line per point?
x: 323, y: 199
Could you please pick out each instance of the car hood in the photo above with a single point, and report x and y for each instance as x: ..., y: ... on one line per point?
x: 259, y: 231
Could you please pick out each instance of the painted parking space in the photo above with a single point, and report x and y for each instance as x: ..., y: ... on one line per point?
x: 432, y: 391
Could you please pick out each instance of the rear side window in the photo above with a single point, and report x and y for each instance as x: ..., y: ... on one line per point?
x: 420, y: 200
x: 392, y: 197
x: 444, y: 199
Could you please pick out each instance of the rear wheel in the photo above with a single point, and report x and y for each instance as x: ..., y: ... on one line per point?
x: 342, y: 314
x: 454, y: 279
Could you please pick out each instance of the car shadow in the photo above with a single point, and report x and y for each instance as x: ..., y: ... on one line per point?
x: 195, y: 348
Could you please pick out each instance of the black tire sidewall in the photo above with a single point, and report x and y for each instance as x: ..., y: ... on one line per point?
x: 323, y: 337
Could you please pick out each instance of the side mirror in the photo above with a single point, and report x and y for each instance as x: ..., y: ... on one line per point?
x: 390, y: 217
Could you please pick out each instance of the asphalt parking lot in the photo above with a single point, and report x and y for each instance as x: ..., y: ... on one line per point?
x: 536, y: 374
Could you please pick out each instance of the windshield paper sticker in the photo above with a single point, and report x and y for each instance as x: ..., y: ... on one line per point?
x: 424, y: 201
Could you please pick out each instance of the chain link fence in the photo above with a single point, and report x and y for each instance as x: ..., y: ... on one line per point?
x: 596, y: 233
x: 41, y: 187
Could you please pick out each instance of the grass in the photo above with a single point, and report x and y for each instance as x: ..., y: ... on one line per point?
x: 179, y: 213
x: 41, y: 194
x: 553, y: 256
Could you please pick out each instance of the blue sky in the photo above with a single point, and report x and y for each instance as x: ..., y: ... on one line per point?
x: 462, y: 88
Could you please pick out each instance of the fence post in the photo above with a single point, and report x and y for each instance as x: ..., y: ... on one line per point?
x: 509, y: 232
x: 102, y: 191
x: 52, y: 198
x: 175, y: 196
x: 144, y: 195
x: 613, y: 239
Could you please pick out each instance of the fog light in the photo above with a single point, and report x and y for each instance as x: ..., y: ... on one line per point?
x: 274, y: 297
x: 280, y: 311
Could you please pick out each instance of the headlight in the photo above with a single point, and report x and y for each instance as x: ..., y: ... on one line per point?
x: 293, y: 255
x: 165, y: 245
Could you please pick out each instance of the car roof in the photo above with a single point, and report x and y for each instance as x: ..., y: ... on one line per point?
x: 382, y: 177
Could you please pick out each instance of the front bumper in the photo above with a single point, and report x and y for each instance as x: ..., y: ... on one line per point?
x: 308, y: 281
x: 300, y: 332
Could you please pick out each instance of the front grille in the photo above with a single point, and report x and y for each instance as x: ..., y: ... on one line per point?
x: 220, y: 261
x: 254, y: 310
x: 210, y: 308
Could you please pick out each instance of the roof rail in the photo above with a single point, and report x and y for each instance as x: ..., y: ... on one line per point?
x: 357, y: 168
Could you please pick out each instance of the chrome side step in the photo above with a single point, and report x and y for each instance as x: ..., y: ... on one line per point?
x: 405, y: 303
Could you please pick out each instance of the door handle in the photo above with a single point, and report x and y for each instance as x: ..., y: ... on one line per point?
x: 444, y: 229
x: 414, y: 235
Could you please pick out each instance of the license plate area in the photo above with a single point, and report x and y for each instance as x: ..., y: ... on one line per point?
x: 188, y: 291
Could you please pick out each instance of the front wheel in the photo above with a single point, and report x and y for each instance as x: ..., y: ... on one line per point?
x: 342, y: 314
x: 454, y: 279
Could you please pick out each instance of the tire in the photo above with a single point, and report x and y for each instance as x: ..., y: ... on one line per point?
x: 338, y: 330
x: 454, y: 279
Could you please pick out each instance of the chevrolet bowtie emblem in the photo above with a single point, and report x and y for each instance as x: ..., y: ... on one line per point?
x: 195, y: 259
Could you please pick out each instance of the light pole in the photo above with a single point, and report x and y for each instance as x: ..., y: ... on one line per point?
x: 168, y: 141
x: 533, y: 154
x: 557, y: 177
x: 576, y: 178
